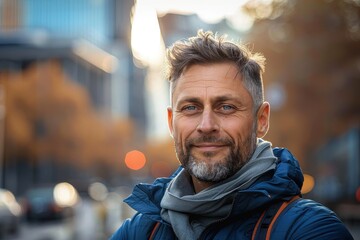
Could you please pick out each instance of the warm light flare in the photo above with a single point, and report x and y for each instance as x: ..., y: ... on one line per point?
x: 65, y: 194
x: 309, y: 183
x: 135, y: 160
x: 7, y: 198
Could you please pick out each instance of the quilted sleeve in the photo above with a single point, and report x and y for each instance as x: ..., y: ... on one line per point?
x: 309, y: 220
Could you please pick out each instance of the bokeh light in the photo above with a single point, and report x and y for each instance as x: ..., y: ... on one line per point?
x: 135, y: 160
x: 309, y: 183
x: 357, y: 196
x: 98, y: 191
x: 65, y: 194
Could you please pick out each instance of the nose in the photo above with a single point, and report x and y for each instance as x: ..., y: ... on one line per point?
x: 208, y: 122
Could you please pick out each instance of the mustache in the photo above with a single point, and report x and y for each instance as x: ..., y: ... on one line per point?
x: 208, y: 139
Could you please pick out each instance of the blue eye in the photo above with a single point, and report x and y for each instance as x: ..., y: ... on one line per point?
x: 190, y: 108
x: 227, y: 107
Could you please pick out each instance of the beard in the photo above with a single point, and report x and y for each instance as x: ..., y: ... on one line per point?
x: 215, y: 170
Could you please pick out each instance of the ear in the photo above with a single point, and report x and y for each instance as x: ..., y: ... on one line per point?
x: 170, y: 122
x: 263, y: 117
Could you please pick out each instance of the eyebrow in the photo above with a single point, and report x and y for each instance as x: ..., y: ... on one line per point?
x: 188, y: 99
x: 216, y: 99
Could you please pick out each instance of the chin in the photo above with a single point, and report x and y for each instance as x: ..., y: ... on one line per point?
x: 209, y: 172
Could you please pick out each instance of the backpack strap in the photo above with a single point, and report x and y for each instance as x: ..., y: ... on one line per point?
x: 268, y: 218
x: 153, y: 232
x: 282, y: 208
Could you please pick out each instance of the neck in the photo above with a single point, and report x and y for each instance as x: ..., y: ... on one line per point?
x: 200, y: 185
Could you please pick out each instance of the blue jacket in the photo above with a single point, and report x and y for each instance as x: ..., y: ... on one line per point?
x: 305, y: 219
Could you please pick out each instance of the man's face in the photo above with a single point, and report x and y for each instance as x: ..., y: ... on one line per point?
x: 212, y: 121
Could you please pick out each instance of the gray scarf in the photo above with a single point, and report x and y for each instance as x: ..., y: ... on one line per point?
x: 190, y: 213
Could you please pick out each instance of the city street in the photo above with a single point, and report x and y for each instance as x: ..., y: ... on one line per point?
x: 87, y: 224
x: 46, y: 230
x: 84, y: 226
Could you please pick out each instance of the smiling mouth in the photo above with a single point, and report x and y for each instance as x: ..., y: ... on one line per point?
x: 209, y: 147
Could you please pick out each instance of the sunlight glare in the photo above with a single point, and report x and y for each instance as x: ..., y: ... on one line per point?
x: 240, y: 21
x: 209, y: 11
x: 146, y: 40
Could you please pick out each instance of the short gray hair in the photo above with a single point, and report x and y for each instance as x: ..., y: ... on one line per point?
x: 208, y: 47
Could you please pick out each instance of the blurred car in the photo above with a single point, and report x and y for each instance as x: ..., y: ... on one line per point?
x: 10, y: 212
x: 51, y: 203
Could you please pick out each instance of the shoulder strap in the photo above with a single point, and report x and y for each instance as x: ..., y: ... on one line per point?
x: 267, y: 219
x: 156, y: 226
x: 282, y: 208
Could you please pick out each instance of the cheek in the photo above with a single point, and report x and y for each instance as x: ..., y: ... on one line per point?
x: 183, y: 129
x: 238, y: 129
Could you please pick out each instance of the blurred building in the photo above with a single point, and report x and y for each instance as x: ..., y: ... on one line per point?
x: 90, y: 39
x: 337, y: 167
x: 86, y: 36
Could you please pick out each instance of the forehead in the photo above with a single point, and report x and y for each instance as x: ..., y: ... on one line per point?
x: 217, y: 78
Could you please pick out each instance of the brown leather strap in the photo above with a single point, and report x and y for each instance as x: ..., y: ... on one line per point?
x: 257, y: 225
x: 282, y: 208
x: 152, y: 235
x: 279, y: 209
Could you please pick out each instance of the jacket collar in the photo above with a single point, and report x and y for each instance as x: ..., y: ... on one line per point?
x: 286, y: 181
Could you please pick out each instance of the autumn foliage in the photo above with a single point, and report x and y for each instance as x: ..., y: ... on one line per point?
x: 312, y: 50
x: 49, y: 116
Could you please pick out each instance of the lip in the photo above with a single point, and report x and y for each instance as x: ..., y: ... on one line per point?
x: 209, y: 146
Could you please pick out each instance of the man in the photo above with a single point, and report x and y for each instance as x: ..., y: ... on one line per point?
x: 229, y: 177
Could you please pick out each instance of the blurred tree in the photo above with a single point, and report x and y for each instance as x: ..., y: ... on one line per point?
x: 161, y: 157
x: 313, y: 53
x: 49, y: 116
